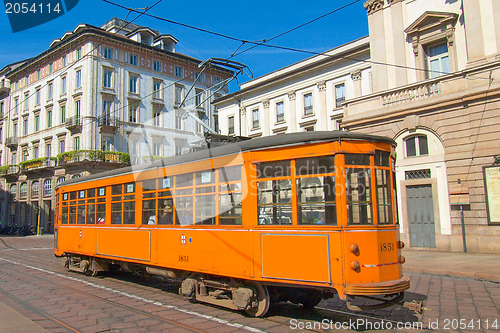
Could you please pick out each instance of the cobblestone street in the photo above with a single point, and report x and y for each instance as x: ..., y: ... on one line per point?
x: 34, y: 283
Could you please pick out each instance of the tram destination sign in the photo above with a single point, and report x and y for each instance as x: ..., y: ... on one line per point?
x: 492, y: 189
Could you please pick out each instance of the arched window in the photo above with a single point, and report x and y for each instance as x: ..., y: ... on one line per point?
x: 13, y: 190
x: 76, y: 176
x: 47, y: 187
x: 416, y: 145
x: 61, y: 180
x: 35, y: 188
x: 24, y: 190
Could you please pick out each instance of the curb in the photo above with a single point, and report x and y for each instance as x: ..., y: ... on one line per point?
x: 467, y: 275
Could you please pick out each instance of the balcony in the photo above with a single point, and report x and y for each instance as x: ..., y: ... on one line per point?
x: 74, y: 123
x: 4, y: 86
x: 9, y: 171
x: 11, y: 142
x: 108, y: 124
x: 38, y: 164
x: 92, y: 156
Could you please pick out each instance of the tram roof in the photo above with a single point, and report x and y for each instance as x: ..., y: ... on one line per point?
x: 282, y: 140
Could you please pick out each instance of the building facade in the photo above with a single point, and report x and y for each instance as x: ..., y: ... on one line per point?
x: 97, y: 99
x: 431, y: 72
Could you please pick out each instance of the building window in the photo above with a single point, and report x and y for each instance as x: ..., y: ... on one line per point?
x: 63, y: 114
x: 107, y: 79
x: 16, y: 105
x: 63, y: 85
x: 280, y: 112
x: 199, y: 98
x: 26, y: 101
x: 339, y: 95
x: 60, y: 180
x: 107, y: 143
x: 255, y: 118
x: 179, y: 147
x: 308, y: 104
x: 48, y: 150
x: 1, y: 110
x: 78, y: 80
x: 108, y: 53
x: 77, y: 110
x: 179, y: 71
x: 51, y: 68
x: 133, y: 84
x: 416, y: 146
x: 157, y: 66
x: 230, y: 125
x: 38, y: 74
x: 37, y: 96
x: 63, y: 60
x: 132, y: 113
x: 157, y: 149
x: 14, y: 158
x: 133, y: 59
x: 156, y: 117
x: 106, y: 108
x: 25, y: 126
x: 76, y: 143
x: 13, y: 190
x: 179, y: 94
x: 78, y: 53
x: 178, y: 119
x: 62, y: 143
x: 35, y: 152
x: 37, y: 123
x: 438, y: 60
x: 15, y: 130
x: 157, y: 89
x: 49, y: 118
x: 50, y: 88
x: 35, y: 188
x: 24, y: 190
x: 309, y: 129
x: 47, y: 187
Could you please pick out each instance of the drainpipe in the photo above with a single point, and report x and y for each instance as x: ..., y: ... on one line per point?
x: 463, y: 227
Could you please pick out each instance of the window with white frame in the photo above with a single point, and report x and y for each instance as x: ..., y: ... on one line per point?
x: 63, y: 114
x: 157, y: 66
x: 255, y: 118
x: 60, y: 180
x: 156, y: 117
x: 35, y: 152
x: 25, y: 126
x: 201, y: 116
x: 416, y: 145
x: 339, y: 95
x: 37, y: 96
x: 77, y: 110
x: 438, y: 60
x: 108, y: 53
x: 308, y: 104
x: 78, y: 53
x: 37, y: 123
x: 26, y: 100
x: 133, y: 59
x: 48, y: 150
x: 51, y: 68
x: 64, y: 61
x: 107, y: 143
x: 280, y: 112
x: 78, y: 79
x: 47, y: 187
x: 49, y: 118
x: 50, y: 91
x: 38, y: 74
x: 178, y: 119
x: 230, y: 125
x: 107, y: 79
x: 63, y: 85
x: 35, y: 188
x: 106, y: 108
x: 157, y: 89
x: 16, y: 105
x: 199, y: 98
x: 76, y: 143
x: 24, y: 190
x: 178, y: 94
x: 132, y: 80
x: 157, y: 149
x: 62, y: 146
x: 132, y: 113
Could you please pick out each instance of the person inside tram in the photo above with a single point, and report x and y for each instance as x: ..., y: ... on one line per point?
x: 167, y: 216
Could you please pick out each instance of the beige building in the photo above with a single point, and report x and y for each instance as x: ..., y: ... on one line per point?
x: 434, y: 87
x: 97, y: 99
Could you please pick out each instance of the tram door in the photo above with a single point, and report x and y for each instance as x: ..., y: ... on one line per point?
x: 421, y: 216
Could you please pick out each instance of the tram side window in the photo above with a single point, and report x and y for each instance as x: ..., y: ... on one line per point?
x: 205, y: 198
x: 275, y: 201
x: 166, y: 211
x: 149, y: 211
x: 101, y: 206
x: 384, y: 200
x: 129, y: 203
x: 65, y: 213
x: 316, y: 200
x: 91, y: 211
x: 184, y: 199
x: 359, y: 205
x: 230, y: 209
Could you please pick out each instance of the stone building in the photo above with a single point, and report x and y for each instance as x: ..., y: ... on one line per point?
x: 97, y: 99
x: 433, y: 76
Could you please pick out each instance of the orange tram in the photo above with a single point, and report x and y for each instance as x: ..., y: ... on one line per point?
x: 295, y: 217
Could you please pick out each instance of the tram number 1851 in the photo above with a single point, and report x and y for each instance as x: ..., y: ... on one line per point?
x: 183, y: 258
x: 386, y: 247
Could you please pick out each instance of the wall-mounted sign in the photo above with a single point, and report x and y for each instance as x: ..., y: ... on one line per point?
x: 492, y: 188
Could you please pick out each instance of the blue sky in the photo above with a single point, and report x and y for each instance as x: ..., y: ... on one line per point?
x: 249, y: 20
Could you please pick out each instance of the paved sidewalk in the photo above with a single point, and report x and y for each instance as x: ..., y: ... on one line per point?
x: 13, y: 322
x: 475, y: 266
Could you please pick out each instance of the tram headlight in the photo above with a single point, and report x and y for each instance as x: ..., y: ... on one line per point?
x: 354, y: 249
x: 355, y: 266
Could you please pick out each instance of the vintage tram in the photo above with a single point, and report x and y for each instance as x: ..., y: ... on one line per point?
x: 294, y: 217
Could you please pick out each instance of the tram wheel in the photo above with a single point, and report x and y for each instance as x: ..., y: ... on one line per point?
x: 263, y: 300
x: 312, y: 299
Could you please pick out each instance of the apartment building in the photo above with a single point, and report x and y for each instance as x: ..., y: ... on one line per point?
x: 429, y: 80
x: 305, y: 96
x: 97, y: 99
